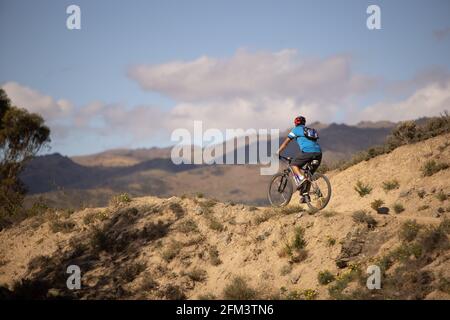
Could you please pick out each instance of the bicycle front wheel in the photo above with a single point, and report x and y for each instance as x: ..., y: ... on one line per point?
x: 319, y: 192
x: 280, y: 190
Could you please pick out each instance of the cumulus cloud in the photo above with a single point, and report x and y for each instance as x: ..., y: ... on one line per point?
x: 248, y: 75
x: 430, y: 100
x: 34, y: 101
x: 253, y: 89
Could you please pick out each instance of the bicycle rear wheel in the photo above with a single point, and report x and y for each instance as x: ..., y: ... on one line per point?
x: 280, y: 190
x: 319, y: 192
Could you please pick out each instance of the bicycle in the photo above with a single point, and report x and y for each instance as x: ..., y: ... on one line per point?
x: 316, y: 185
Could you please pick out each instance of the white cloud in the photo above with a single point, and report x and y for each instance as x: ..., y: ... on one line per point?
x: 249, y: 75
x: 429, y: 100
x: 35, y: 101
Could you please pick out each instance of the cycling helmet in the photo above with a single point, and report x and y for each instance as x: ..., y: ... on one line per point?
x: 299, y: 121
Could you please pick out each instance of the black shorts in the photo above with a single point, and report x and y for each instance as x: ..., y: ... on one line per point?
x: 305, y: 157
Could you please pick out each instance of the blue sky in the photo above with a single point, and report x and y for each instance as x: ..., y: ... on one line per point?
x: 93, y: 64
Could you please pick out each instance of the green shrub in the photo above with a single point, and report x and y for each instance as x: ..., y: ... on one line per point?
x: 376, y: 204
x: 325, y: 277
x: 131, y: 271
x: 431, y: 167
x: 310, y: 294
x: 441, y: 196
x: 171, y: 251
x: 188, y: 226
x: 99, y: 239
x: 122, y: 198
x: 214, y: 256
x: 299, y: 241
x: 398, y: 208
x: 409, y: 230
x: 296, y: 248
x: 238, y: 289
x: 421, y: 194
x: 197, y: 275
x: 331, y: 241
x: 361, y: 216
x: 213, y: 223
x: 62, y: 226
x: 362, y: 189
x: 286, y: 269
x: 390, y: 185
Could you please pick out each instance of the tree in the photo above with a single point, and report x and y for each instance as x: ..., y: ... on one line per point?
x: 22, y: 136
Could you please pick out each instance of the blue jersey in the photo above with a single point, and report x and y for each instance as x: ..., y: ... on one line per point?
x: 305, y: 144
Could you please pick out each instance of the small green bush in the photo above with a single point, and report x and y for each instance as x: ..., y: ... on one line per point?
x: 171, y: 251
x: 238, y: 289
x: 361, y: 216
x: 214, y: 256
x: 442, y: 196
x: 431, y: 167
x: 188, y: 226
x: 421, y: 194
x: 62, y: 226
x: 325, y: 277
x: 122, y: 198
x: 409, y: 230
x: 390, y: 185
x: 398, y: 208
x: 376, y: 204
x: 362, y: 189
x: 197, y: 275
x: 331, y: 241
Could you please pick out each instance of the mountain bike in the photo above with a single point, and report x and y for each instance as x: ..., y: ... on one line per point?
x: 317, y: 186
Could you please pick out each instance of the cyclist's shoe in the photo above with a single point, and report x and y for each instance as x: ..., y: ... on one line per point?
x: 305, y: 198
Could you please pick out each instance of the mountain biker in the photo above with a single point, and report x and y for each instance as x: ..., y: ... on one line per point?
x: 310, y: 150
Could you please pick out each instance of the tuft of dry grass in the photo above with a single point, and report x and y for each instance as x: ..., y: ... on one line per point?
x: 432, y: 167
x: 398, y: 208
x: 214, y: 256
x: 361, y: 216
x: 171, y: 251
x: 238, y: 289
x: 119, y: 199
x: 390, y: 185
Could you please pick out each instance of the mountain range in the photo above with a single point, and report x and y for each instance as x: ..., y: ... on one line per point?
x: 91, y: 180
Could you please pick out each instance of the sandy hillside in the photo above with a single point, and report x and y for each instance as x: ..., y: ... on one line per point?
x: 192, y: 247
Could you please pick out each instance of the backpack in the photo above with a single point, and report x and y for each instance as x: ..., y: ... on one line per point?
x: 311, y: 133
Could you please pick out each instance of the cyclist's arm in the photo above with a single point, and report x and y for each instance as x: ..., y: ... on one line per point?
x: 284, y: 145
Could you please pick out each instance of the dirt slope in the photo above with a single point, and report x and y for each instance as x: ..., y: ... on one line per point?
x: 173, y: 248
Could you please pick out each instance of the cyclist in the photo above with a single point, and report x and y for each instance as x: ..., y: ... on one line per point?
x: 310, y: 150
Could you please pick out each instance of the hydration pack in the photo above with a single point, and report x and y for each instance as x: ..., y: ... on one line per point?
x: 311, y: 133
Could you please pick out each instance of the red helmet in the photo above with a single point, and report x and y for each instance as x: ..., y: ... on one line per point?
x: 299, y: 120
